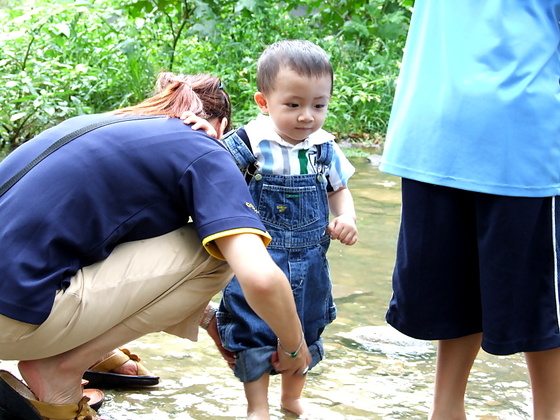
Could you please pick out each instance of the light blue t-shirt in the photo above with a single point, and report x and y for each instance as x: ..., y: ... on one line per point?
x: 477, y: 105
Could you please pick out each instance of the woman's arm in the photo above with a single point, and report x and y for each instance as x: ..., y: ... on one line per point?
x: 269, y: 294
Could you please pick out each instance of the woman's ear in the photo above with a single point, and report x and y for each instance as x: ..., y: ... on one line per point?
x: 222, y: 127
x: 261, y: 102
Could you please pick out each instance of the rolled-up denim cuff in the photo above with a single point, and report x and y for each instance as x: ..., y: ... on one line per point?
x: 251, y: 364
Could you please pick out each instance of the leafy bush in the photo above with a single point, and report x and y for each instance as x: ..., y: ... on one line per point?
x: 60, y: 61
x: 64, y: 58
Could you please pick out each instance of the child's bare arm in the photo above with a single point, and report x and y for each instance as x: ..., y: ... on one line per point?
x: 343, y: 226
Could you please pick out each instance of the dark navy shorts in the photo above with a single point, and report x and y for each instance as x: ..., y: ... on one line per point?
x: 470, y: 262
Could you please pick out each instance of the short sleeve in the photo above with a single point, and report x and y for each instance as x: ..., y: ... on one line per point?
x: 340, y: 169
x: 219, y: 201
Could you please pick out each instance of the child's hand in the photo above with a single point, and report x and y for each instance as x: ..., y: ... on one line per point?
x: 344, y: 229
x: 199, y: 123
x: 228, y: 356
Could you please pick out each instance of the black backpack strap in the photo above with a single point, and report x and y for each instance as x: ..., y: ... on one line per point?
x: 67, y: 139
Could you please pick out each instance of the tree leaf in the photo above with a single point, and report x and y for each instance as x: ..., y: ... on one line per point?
x: 63, y: 28
x: 17, y: 116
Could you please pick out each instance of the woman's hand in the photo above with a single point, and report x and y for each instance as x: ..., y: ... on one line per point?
x: 268, y: 292
x: 298, y: 365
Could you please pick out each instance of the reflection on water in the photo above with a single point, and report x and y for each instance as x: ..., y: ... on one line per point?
x: 359, y: 379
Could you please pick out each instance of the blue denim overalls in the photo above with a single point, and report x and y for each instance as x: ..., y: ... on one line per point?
x: 295, y: 211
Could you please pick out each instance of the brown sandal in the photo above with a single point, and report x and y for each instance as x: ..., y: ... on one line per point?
x: 81, y: 411
x: 19, y: 401
x: 101, y: 375
x: 96, y: 396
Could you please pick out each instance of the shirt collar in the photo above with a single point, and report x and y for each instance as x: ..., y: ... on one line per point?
x: 262, y: 128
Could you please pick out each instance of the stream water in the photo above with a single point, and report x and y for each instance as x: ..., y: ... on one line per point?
x: 370, y: 371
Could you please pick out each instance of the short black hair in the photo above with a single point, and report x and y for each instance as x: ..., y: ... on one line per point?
x: 301, y: 56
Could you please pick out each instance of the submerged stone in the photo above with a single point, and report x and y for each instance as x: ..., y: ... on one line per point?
x: 386, y: 339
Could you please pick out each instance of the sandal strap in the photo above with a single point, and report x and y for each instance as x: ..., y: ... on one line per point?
x: 80, y: 411
x: 140, y: 368
x: 130, y: 355
x: 119, y: 358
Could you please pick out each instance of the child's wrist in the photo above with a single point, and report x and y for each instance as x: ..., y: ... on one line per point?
x: 351, y: 216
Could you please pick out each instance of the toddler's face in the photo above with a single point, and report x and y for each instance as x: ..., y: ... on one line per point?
x: 297, y: 105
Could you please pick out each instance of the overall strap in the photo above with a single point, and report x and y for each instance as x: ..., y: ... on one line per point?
x: 325, y: 152
x: 67, y: 139
x: 237, y: 142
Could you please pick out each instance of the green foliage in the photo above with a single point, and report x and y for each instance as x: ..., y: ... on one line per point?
x: 64, y: 58
x: 355, y: 153
x: 366, y: 55
x: 61, y: 60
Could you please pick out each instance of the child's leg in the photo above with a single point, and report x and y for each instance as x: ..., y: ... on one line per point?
x: 544, y: 371
x: 256, y: 393
x: 292, y: 386
x: 454, y: 362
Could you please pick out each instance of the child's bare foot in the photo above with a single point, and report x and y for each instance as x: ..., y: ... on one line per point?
x: 258, y: 415
x: 297, y: 409
x: 294, y: 408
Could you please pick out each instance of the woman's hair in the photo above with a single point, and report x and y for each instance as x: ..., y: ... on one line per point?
x: 201, y: 94
x: 303, y: 57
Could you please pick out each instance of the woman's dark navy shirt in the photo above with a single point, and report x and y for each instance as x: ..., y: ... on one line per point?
x: 127, y: 181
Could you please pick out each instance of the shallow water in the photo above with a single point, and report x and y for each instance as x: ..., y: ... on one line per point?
x: 368, y: 373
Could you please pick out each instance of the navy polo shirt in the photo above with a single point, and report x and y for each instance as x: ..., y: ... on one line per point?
x: 123, y: 182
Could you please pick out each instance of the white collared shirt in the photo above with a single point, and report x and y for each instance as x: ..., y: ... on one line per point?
x: 278, y: 157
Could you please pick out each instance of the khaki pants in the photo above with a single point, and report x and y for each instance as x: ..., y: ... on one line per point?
x: 157, y: 284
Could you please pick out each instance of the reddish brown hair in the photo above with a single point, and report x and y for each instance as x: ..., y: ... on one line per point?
x: 201, y: 94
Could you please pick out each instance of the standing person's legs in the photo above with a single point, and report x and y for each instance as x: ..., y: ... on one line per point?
x: 455, y: 358
x: 471, y: 262
x: 436, y: 290
x: 544, y: 371
x: 521, y: 264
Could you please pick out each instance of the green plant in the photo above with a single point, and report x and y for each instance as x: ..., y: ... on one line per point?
x: 364, y: 38
x: 368, y: 40
x: 61, y: 60
x: 64, y: 58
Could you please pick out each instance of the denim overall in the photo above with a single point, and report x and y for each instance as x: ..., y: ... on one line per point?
x: 295, y: 211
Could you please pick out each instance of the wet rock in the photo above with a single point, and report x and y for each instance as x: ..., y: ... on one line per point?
x: 375, y: 160
x: 387, y: 340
